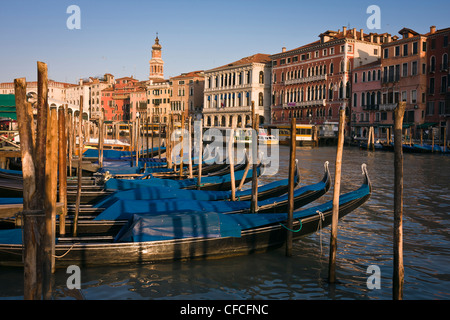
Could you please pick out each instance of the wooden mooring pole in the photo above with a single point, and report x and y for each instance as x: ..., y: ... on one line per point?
x: 51, y: 182
x: 79, y: 171
x: 62, y: 154
x: 254, y: 199
x: 290, y: 222
x: 200, y: 153
x: 231, y: 161
x: 398, y: 274
x: 336, y: 192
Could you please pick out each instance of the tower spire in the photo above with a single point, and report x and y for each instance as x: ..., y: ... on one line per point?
x: 156, y: 63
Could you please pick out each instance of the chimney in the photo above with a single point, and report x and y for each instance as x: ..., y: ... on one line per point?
x: 432, y: 29
x: 371, y: 37
x: 283, y: 49
x: 361, y: 34
x: 344, y: 31
x: 354, y: 33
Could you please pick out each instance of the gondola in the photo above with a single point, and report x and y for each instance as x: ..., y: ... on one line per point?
x: 185, y: 236
x: 207, y: 183
x: 124, y: 209
x: 269, y: 190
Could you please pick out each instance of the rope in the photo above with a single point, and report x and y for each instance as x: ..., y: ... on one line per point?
x: 301, y: 225
x: 63, y: 255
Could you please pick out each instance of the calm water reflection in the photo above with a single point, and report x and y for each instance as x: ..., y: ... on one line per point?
x: 364, y: 238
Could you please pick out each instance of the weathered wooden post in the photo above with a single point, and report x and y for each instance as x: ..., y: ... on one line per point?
x: 190, y: 148
x: 398, y: 275
x: 62, y: 153
x: 70, y: 130
x: 159, y: 141
x: 290, y: 222
x: 101, y: 139
x: 336, y: 192
x: 231, y: 161
x: 254, y: 199
x: 200, y: 153
x: 51, y: 177
x: 182, y: 145
x: 247, y: 167
x: 33, y: 220
x: 79, y: 171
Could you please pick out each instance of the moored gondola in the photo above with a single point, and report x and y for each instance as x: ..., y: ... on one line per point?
x: 185, y: 236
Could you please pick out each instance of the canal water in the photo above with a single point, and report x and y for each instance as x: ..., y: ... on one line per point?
x: 364, y: 239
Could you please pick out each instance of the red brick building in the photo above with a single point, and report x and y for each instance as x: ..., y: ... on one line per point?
x: 438, y: 75
x: 313, y: 81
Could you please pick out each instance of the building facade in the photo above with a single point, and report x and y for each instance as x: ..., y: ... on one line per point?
x: 231, y: 89
x: 404, y: 76
x: 437, y: 113
x: 313, y: 81
x: 116, y: 100
x: 366, y: 104
x: 187, y: 95
x: 90, y: 89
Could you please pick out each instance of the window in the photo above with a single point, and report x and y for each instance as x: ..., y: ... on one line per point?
x: 413, y: 96
x: 397, y: 51
x: 261, y: 77
x: 261, y: 99
x: 355, y: 99
x: 442, y: 107
x: 444, y: 84
x: 368, y: 76
x: 444, y: 62
x: 331, y: 68
x: 282, y: 61
x: 424, y: 46
x: 386, y: 53
x: 331, y: 50
x: 324, y: 52
x: 431, y: 87
x: 433, y: 44
x: 364, y: 76
x: 415, y: 48
x: 445, y: 45
x: 404, y: 96
x: 430, y: 108
x: 405, y: 49
x: 414, y: 68
x: 432, y: 64
x: 356, y: 78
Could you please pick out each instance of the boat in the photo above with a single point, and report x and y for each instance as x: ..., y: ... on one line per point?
x: 186, y: 236
x: 124, y: 209
x: 207, y: 183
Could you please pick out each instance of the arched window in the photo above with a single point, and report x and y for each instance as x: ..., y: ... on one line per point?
x: 331, y: 68
x: 432, y: 64
x: 330, y: 92
x: 341, y: 90
x: 363, y: 99
x: 261, y: 77
x: 355, y: 98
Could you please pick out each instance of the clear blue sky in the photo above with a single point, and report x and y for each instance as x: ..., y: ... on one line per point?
x: 116, y: 36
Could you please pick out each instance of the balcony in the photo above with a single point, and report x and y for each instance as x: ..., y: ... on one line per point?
x: 391, y: 78
x: 306, y: 79
x: 320, y: 102
x: 387, y: 106
x: 371, y: 107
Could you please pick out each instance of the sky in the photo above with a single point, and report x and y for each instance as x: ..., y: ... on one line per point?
x: 116, y: 36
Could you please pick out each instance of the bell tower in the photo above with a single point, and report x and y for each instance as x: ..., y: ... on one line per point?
x: 156, y: 63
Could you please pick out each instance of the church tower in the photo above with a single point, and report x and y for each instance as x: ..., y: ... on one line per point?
x: 156, y: 63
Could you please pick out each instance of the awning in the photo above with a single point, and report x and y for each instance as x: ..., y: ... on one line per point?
x: 426, y: 125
